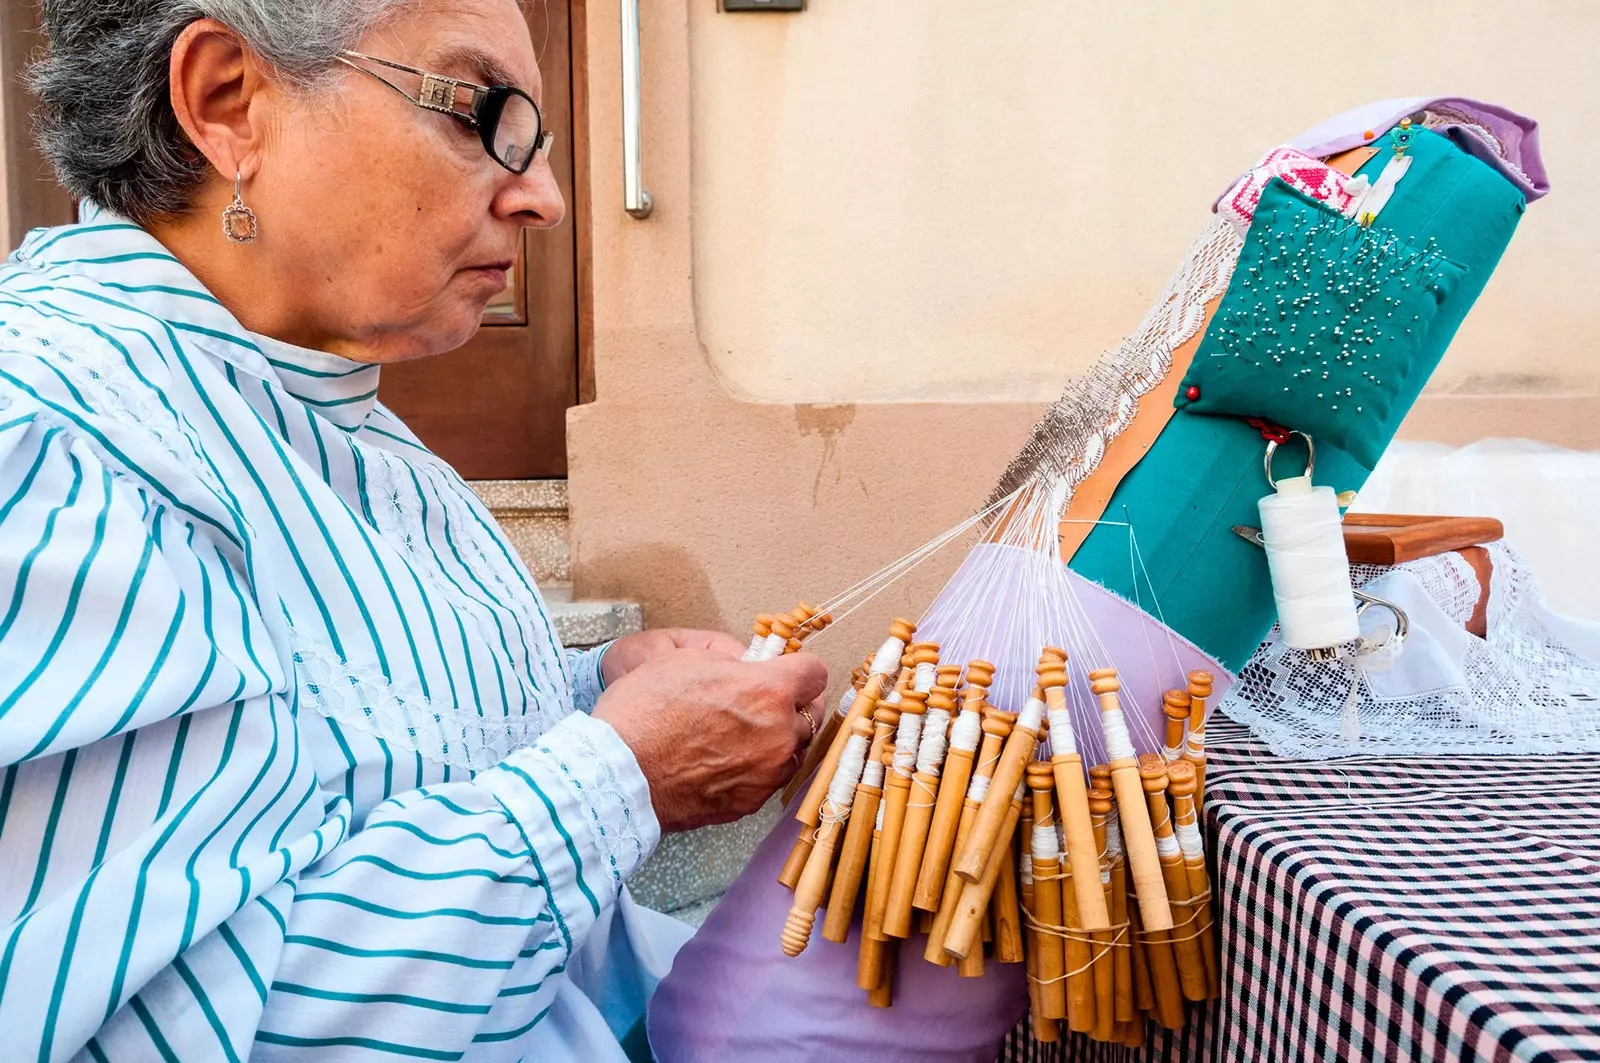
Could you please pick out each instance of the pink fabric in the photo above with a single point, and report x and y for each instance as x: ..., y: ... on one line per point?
x: 1295, y: 168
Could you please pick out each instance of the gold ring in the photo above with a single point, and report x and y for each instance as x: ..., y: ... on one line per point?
x: 811, y: 722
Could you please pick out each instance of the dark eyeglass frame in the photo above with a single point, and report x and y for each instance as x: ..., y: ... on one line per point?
x: 438, y: 93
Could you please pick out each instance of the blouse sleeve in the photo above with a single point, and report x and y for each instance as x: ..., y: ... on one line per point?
x: 176, y: 882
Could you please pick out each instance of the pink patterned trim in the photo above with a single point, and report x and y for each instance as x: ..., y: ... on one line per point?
x: 1297, y: 169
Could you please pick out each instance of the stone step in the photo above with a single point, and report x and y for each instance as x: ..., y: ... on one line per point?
x: 533, y: 514
x: 589, y: 622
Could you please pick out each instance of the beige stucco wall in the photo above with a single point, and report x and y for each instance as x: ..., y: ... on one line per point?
x: 931, y: 199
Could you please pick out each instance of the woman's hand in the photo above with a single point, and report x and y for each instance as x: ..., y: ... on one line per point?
x: 714, y: 736
x: 630, y: 651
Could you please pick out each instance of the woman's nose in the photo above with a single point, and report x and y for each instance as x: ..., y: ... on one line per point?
x: 533, y: 199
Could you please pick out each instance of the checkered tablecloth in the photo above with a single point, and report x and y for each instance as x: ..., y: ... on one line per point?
x: 1392, y: 909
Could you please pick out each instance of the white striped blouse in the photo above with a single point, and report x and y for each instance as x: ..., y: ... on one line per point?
x: 293, y: 763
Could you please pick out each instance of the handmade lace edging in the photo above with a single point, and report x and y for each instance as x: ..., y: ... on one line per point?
x: 404, y: 717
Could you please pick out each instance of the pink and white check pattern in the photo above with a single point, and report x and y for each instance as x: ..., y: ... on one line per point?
x: 1295, y: 168
x: 1393, y: 909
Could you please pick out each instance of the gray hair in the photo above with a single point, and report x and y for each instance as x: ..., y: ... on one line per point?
x: 105, y: 119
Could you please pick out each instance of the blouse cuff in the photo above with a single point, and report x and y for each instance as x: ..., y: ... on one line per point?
x: 588, y: 681
x: 601, y: 799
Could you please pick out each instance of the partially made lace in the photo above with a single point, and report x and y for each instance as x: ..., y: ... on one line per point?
x: 1525, y: 688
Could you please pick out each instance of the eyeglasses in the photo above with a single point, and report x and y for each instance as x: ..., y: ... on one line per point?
x: 507, y: 120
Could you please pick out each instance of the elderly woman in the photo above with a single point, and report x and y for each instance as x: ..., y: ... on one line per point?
x: 293, y: 764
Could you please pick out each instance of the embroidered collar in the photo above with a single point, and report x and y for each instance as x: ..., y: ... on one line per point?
x: 121, y: 256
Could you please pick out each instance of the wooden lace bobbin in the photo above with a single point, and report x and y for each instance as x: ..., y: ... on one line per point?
x: 896, y: 799
x: 971, y: 965
x: 1005, y: 913
x: 763, y: 628
x: 1175, y: 704
x: 967, y: 923
x: 856, y: 848
x: 1072, y: 802
x: 996, y: 726
x: 924, y: 792
x: 1144, y: 994
x: 1194, y: 747
x: 973, y: 857
x: 1181, y: 783
x: 1046, y: 1030
x: 885, y: 665
x: 1048, y: 917
x: 1106, y: 1001
x: 882, y: 994
x: 1185, y: 941
x: 965, y: 732
x: 874, y: 951
x: 1144, y: 864
x: 835, y: 816
x: 1121, y: 910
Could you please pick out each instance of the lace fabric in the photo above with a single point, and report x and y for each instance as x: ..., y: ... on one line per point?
x: 623, y: 835
x: 404, y: 717
x: 1532, y: 685
x: 107, y: 381
x: 1069, y: 441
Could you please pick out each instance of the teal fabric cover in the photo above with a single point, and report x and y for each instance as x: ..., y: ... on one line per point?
x: 1321, y: 324
x: 1203, y: 474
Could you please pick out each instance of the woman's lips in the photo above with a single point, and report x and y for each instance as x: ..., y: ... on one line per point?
x: 495, y: 272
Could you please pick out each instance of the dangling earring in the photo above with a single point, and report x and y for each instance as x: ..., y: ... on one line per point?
x: 238, y: 220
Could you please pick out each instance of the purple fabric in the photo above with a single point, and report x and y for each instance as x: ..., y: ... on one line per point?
x: 1522, y: 164
x: 733, y: 995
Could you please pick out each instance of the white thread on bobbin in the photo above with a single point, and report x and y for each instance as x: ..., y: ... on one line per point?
x: 756, y: 642
x: 930, y: 753
x: 847, y: 699
x: 1171, y: 753
x: 1032, y: 715
x: 1300, y: 528
x: 978, y: 788
x: 1118, y: 745
x: 905, y: 743
x: 966, y: 731
x: 852, y: 761
x: 1063, y: 739
x: 1113, y: 834
x: 893, y: 697
x: 772, y: 647
x: 878, y: 823
x: 887, y: 661
x: 1195, y: 743
x: 1190, y: 840
x: 924, y: 678
x: 1025, y: 867
x: 1045, y: 847
x: 872, y: 774
x: 1167, y: 846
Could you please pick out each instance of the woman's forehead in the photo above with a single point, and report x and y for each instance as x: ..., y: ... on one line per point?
x: 485, y: 41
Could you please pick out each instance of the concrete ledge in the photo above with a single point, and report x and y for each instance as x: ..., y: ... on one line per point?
x: 589, y: 623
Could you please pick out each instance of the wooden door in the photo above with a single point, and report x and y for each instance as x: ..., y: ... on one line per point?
x: 496, y: 409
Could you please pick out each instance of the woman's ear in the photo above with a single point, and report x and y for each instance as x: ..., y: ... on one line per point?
x: 218, y: 90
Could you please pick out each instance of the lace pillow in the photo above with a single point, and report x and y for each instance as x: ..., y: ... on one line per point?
x: 1320, y: 326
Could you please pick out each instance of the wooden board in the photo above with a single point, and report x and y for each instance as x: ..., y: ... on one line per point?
x: 1390, y: 538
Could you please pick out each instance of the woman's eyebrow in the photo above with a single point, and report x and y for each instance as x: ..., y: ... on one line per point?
x: 485, y: 67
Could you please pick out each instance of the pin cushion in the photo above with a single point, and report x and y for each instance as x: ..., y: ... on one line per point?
x: 1321, y: 324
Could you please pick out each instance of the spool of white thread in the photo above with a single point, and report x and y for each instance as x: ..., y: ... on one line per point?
x: 978, y: 788
x: 1062, y: 738
x: 966, y: 731
x: 1044, y: 843
x: 924, y: 678
x: 887, y: 661
x: 905, y: 743
x: 1310, y: 569
x: 1190, y: 840
x: 842, y: 788
x: 930, y: 754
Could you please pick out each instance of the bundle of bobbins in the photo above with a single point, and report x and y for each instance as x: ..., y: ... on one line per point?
x: 931, y: 811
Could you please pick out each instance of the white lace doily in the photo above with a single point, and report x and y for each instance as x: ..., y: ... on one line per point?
x: 1532, y: 685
